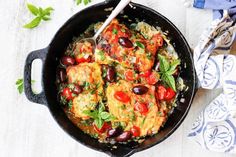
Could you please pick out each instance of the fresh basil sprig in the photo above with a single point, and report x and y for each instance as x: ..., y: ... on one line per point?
x: 100, y: 116
x: 84, y: 1
x: 40, y: 13
x: 20, y: 85
x: 167, y: 69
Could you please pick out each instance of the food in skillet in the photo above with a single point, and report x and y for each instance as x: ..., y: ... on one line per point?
x: 125, y: 89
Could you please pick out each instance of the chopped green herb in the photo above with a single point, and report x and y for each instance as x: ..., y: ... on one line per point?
x: 101, y: 55
x: 123, y: 30
x: 149, y: 56
x: 41, y: 14
x: 139, y: 44
x: 114, y: 31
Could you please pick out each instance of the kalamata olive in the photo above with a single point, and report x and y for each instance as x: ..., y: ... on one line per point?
x: 125, y: 42
x: 62, y: 75
x: 77, y: 89
x: 113, y: 132
x: 110, y: 74
x: 125, y: 136
x: 140, y: 89
x: 67, y: 60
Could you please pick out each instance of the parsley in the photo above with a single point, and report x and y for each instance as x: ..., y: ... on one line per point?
x: 139, y: 44
x: 78, y: 2
x: 149, y: 56
x: 114, y: 31
x: 166, y: 71
x: 101, y: 55
x: 100, y: 116
x: 41, y: 14
x: 20, y: 85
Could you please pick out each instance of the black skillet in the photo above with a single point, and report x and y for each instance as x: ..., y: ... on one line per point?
x: 75, y: 26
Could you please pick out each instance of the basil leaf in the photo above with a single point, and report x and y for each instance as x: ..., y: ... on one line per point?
x: 105, y: 115
x: 33, y: 9
x: 139, y: 44
x: 92, y: 114
x: 47, y: 11
x: 169, y: 80
x: 20, y: 88
x: 101, y: 107
x: 34, y: 23
x: 164, y: 64
x: 98, y: 122
x: 78, y: 2
x: 174, y: 64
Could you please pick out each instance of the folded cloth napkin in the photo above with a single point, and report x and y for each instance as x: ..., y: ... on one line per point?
x: 216, y: 5
x: 215, y: 128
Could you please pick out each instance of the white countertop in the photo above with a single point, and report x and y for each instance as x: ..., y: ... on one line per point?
x: 28, y: 129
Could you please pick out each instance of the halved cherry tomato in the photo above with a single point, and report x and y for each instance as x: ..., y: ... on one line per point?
x: 104, y: 127
x: 170, y: 93
x: 161, y: 92
x: 152, y: 79
x: 130, y: 75
x: 135, y: 131
x: 122, y: 96
x: 82, y: 60
x: 66, y: 93
x: 146, y: 73
x: 141, y: 107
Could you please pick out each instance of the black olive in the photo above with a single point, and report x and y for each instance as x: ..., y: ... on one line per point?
x: 77, y: 89
x: 125, y: 136
x: 113, y: 132
x: 110, y: 76
x: 139, y: 90
x: 62, y: 75
x: 67, y: 60
x: 125, y: 42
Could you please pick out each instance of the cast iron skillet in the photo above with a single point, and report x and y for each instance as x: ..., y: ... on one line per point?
x: 76, y: 25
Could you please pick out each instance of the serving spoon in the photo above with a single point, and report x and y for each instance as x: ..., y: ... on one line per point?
x: 121, y: 5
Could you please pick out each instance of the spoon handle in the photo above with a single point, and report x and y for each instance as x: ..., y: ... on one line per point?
x: 115, y: 12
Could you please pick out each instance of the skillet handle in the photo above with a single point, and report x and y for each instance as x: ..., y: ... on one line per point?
x: 36, y: 98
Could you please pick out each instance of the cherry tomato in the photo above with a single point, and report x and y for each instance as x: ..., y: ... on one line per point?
x: 82, y: 60
x: 141, y: 107
x: 152, y: 79
x: 170, y: 93
x: 146, y: 73
x: 104, y: 127
x: 122, y: 96
x: 161, y: 92
x: 66, y: 93
x: 135, y: 131
x: 159, y: 40
x: 130, y: 75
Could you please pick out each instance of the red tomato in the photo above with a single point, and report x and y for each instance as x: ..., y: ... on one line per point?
x: 152, y: 79
x: 122, y: 96
x: 66, y: 93
x: 135, y: 131
x: 159, y: 40
x: 82, y: 60
x: 146, y: 73
x: 130, y: 75
x: 141, y: 107
x: 170, y: 93
x: 104, y: 127
x: 161, y: 92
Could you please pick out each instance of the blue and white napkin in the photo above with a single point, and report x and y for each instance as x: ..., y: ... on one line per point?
x: 215, y: 128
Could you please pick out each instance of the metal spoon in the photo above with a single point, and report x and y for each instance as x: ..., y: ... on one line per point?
x: 122, y: 4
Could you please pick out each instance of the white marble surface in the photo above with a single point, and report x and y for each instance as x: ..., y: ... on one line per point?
x: 28, y: 129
